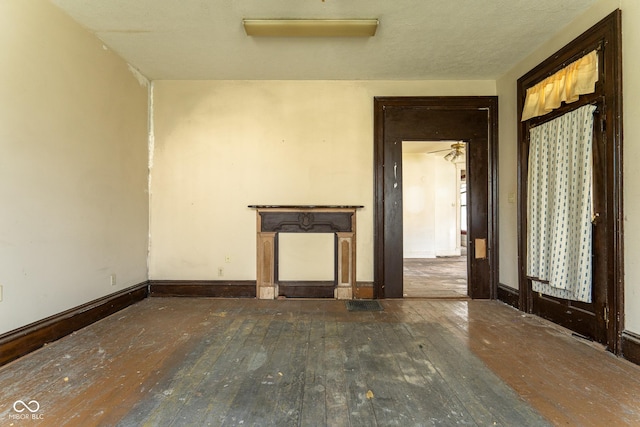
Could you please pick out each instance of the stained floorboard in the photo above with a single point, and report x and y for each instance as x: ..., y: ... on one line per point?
x: 186, y: 362
x: 313, y: 411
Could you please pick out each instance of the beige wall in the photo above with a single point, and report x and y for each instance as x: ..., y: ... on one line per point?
x: 223, y: 145
x: 506, y: 87
x: 73, y: 172
x: 430, y: 204
x: 631, y: 147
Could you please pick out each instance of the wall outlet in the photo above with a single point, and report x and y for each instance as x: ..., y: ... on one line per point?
x: 112, y: 279
x: 220, y: 271
x: 227, y: 258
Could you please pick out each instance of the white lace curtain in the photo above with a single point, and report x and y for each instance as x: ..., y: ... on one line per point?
x: 559, y: 207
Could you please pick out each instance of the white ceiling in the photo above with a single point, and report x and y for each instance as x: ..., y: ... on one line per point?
x: 427, y: 147
x: 416, y: 39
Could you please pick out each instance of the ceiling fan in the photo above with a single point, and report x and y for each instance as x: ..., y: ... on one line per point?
x: 455, y: 152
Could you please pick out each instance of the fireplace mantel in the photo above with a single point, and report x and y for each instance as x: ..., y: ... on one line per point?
x: 337, y: 219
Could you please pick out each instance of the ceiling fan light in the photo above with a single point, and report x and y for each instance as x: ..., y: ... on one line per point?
x: 450, y: 156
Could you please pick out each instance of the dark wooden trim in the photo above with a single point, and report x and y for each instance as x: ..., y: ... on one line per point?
x: 631, y: 347
x: 609, y: 267
x: 493, y: 203
x: 616, y: 222
x: 306, y: 222
x: 379, y: 106
x: 435, y: 103
x: 21, y: 341
x: 203, y: 288
x: 306, y: 289
x: 509, y: 295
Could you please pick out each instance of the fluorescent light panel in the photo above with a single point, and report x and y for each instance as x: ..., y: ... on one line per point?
x: 310, y: 27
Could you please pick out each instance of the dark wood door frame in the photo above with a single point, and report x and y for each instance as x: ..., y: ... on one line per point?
x: 608, y: 275
x: 476, y: 122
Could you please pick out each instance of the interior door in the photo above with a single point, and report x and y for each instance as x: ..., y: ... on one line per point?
x: 601, y: 320
x: 469, y: 119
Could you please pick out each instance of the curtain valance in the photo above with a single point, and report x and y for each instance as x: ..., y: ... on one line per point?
x: 578, y: 78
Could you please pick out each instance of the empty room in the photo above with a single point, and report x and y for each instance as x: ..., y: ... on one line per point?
x: 319, y: 213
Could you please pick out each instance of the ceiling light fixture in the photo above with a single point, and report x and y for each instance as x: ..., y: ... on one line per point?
x: 310, y: 27
x: 455, y: 153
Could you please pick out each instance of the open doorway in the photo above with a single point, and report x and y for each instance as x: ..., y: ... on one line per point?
x: 434, y: 219
x: 469, y: 119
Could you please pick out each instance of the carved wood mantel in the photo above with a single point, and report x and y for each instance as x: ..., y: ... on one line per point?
x: 274, y: 219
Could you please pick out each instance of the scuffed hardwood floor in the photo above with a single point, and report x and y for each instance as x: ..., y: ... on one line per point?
x: 442, y: 277
x: 198, y: 362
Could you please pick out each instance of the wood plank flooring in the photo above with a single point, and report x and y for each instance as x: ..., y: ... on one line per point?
x: 225, y: 362
x: 441, y: 277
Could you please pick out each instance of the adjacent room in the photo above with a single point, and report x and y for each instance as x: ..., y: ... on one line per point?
x: 434, y: 219
x: 321, y: 213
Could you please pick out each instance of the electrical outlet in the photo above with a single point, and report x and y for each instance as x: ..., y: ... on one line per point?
x: 227, y: 258
x: 220, y: 271
x: 112, y: 279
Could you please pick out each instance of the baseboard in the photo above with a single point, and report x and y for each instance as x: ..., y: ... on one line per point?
x: 26, y: 339
x: 420, y: 255
x: 509, y: 296
x: 306, y: 289
x: 225, y: 289
x: 631, y: 347
x: 203, y: 288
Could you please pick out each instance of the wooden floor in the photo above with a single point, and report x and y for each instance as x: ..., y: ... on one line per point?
x: 198, y: 362
x: 441, y: 277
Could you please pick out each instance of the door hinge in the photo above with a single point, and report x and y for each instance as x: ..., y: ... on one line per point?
x: 606, y: 315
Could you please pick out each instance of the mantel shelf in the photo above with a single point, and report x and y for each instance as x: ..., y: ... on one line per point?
x: 306, y: 206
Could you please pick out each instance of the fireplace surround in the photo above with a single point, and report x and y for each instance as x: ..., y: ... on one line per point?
x: 274, y: 219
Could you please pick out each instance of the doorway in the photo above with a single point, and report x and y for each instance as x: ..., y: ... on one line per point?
x: 601, y: 319
x: 434, y: 219
x: 469, y: 119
